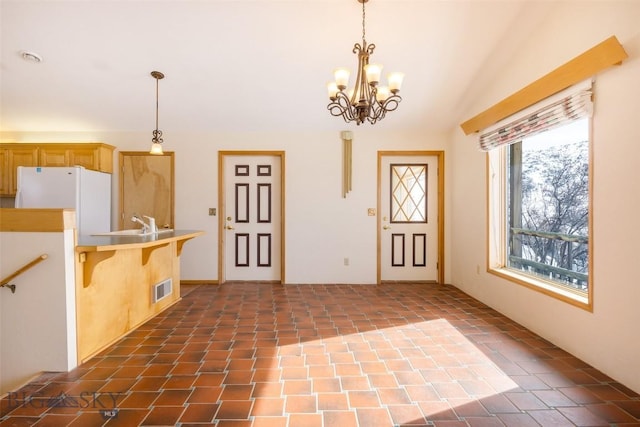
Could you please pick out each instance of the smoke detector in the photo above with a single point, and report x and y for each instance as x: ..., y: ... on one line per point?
x: 31, y: 56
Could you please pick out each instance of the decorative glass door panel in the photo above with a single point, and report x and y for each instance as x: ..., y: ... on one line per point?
x: 408, y: 193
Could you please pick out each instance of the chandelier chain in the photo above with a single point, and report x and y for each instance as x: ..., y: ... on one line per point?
x: 363, y: 31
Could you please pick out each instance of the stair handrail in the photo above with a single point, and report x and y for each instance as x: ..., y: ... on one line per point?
x: 5, y: 282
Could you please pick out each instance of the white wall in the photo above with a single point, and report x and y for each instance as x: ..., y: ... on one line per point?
x: 608, y: 337
x: 37, y: 322
x: 321, y: 227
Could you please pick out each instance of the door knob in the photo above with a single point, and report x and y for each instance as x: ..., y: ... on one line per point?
x: 227, y: 226
x: 385, y: 227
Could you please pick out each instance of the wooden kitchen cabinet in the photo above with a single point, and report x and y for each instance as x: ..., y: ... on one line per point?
x: 97, y: 156
x: 53, y: 156
x: 94, y: 156
x: 4, y: 172
x: 10, y: 159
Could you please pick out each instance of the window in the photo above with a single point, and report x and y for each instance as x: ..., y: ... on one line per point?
x: 539, y: 207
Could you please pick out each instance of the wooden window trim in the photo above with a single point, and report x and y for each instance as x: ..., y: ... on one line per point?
x: 603, y: 55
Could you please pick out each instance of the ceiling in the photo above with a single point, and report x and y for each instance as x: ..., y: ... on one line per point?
x: 240, y: 65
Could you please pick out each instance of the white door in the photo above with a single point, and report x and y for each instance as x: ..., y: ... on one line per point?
x: 252, y: 217
x: 408, y: 209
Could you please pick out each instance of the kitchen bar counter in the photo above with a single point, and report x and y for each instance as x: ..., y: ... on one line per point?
x: 122, y: 281
x: 95, y: 243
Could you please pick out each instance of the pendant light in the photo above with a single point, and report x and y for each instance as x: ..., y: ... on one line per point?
x: 156, y: 146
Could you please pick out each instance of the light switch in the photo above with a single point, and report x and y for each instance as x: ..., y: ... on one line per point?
x: 371, y: 212
x: 212, y: 211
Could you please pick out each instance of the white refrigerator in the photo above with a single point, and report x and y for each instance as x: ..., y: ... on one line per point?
x: 86, y: 191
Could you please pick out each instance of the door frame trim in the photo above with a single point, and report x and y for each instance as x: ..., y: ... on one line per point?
x: 439, y: 154
x: 222, y: 154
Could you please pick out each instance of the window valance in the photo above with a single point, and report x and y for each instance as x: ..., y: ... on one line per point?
x: 574, y: 103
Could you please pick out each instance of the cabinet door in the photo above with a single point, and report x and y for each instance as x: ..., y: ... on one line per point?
x: 20, y: 157
x: 90, y: 156
x: 5, y: 188
x: 85, y: 157
x: 54, y: 156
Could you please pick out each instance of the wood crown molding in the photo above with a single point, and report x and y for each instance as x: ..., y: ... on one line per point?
x: 603, y: 55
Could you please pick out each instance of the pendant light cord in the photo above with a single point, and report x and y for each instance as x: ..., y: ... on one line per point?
x: 157, y: 104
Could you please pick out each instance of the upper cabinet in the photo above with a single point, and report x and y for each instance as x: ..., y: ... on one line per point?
x: 97, y: 156
x: 10, y: 159
x: 94, y: 156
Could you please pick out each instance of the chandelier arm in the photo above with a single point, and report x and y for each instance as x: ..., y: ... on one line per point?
x: 391, y: 103
x: 370, y: 48
x: 375, y: 113
x: 341, y: 106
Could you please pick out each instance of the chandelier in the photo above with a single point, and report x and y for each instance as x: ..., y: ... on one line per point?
x: 366, y: 100
x: 156, y: 147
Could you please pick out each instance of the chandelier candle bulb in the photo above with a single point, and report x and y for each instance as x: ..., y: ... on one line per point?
x: 342, y: 78
x: 382, y: 94
x: 332, y: 88
x: 373, y: 73
x: 395, y: 81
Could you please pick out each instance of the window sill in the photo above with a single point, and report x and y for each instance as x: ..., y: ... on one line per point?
x: 543, y: 287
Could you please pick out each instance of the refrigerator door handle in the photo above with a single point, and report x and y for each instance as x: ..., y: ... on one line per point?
x: 18, y: 198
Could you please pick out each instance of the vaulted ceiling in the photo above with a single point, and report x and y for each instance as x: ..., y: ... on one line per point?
x: 241, y: 65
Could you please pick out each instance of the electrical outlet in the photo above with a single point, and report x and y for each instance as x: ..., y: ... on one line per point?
x: 212, y: 211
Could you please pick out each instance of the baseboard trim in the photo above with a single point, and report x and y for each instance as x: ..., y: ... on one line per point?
x: 198, y: 282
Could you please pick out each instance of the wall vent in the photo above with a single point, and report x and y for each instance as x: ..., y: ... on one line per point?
x: 161, y: 290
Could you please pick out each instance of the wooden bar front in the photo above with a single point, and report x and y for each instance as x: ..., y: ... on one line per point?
x: 115, y: 280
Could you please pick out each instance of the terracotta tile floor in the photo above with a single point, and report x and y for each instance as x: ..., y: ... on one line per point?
x: 327, y: 355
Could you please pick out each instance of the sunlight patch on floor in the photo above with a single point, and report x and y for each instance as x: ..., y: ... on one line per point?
x: 429, y: 365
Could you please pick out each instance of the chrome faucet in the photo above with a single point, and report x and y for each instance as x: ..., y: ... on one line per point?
x: 146, y: 228
x: 153, y: 228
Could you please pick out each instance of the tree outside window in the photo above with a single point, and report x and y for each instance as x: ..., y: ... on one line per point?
x: 548, y: 206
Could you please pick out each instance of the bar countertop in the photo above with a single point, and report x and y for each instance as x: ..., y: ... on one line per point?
x: 99, y: 243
